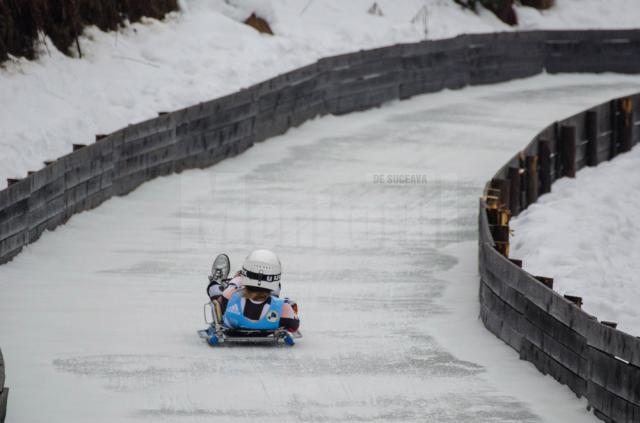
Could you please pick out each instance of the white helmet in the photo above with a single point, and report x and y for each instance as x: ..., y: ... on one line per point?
x: 261, y: 269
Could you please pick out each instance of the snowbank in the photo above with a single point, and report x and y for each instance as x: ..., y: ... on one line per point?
x: 586, y: 235
x: 204, y: 52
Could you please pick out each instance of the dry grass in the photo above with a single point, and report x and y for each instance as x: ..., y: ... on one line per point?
x: 22, y: 22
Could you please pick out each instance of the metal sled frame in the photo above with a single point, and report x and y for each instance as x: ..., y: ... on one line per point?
x: 235, y: 336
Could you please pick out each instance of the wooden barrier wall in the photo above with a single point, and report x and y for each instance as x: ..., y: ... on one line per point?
x: 592, y: 358
x: 4, y: 392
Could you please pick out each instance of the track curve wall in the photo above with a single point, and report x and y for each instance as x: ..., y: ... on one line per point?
x: 204, y: 134
x: 4, y: 392
x: 551, y: 331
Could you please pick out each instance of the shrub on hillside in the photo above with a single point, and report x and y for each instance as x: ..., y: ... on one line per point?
x: 503, y: 9
x: 22, y: 22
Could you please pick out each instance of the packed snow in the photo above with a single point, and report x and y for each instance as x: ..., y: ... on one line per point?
x: 585, y: 234
x: 205, y: 51
x: 99, y: 317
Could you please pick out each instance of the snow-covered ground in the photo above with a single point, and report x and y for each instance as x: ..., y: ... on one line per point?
x: 586, y: 235
x: 99, y: 318
x: 204, y: 52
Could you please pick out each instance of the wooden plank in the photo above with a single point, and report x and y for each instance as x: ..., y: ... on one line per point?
x: 531, y: 164
x: 615, y: 375
x: 498, y: 327
x: 527, y: 285
x: 559, y: 331
x: 547, y: 365
x: 592, y: 137
x: 544, y: 155
x: 568, y: 148
x: 504, y: 187
x: 2, y: 375
x: 612, y: 406
x: 626, y: 123
x: 614, y: 342
x: 546, y: 281
x: 553, y: 346
x: 614, y: 134
x: 511, y: 316
x: 4, y: 396
x: 514, y: 190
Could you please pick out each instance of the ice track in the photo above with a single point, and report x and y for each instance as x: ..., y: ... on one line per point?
x: 98, y: 319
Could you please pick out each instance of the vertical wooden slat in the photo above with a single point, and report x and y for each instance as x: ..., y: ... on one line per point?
x: 514, y: 190
x: 568, y: 147
x: 591, y: 123
x: 532, y: 179
x: 544, y: 158
x: 503, y: 186
x: 626, y: 123
x: 613, y: 142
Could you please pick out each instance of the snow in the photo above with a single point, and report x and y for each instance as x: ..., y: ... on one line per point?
x: 204, y: 52
x: 585, y: 234
x: 99, y: 317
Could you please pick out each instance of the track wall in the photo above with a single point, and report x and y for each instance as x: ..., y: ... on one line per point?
x: 592, y: 358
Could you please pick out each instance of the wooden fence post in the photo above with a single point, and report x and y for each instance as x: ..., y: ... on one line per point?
x: 517, y: 262
x: 576, y: 300
x: 544, y: 155
x: 502, y: 185
x: 501, y: 238
x: 568, y: 147
x: 4, y: 391
x: 626, y: 119
x: 613, y: 142
x: 592, y: 137
x: 532, y: 179
x: 514, y: 190
x: 548, y: 282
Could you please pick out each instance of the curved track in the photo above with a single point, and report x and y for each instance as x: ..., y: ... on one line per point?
x: 98, y: 320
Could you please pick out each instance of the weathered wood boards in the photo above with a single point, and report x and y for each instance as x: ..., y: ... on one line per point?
x: 592, y: 358
x: 4, y: 391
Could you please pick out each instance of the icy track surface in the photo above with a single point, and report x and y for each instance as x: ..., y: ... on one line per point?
x: 596, y: 256
x: 98, y: 319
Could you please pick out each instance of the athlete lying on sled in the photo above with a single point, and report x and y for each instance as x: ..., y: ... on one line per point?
x: 247, y: 308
